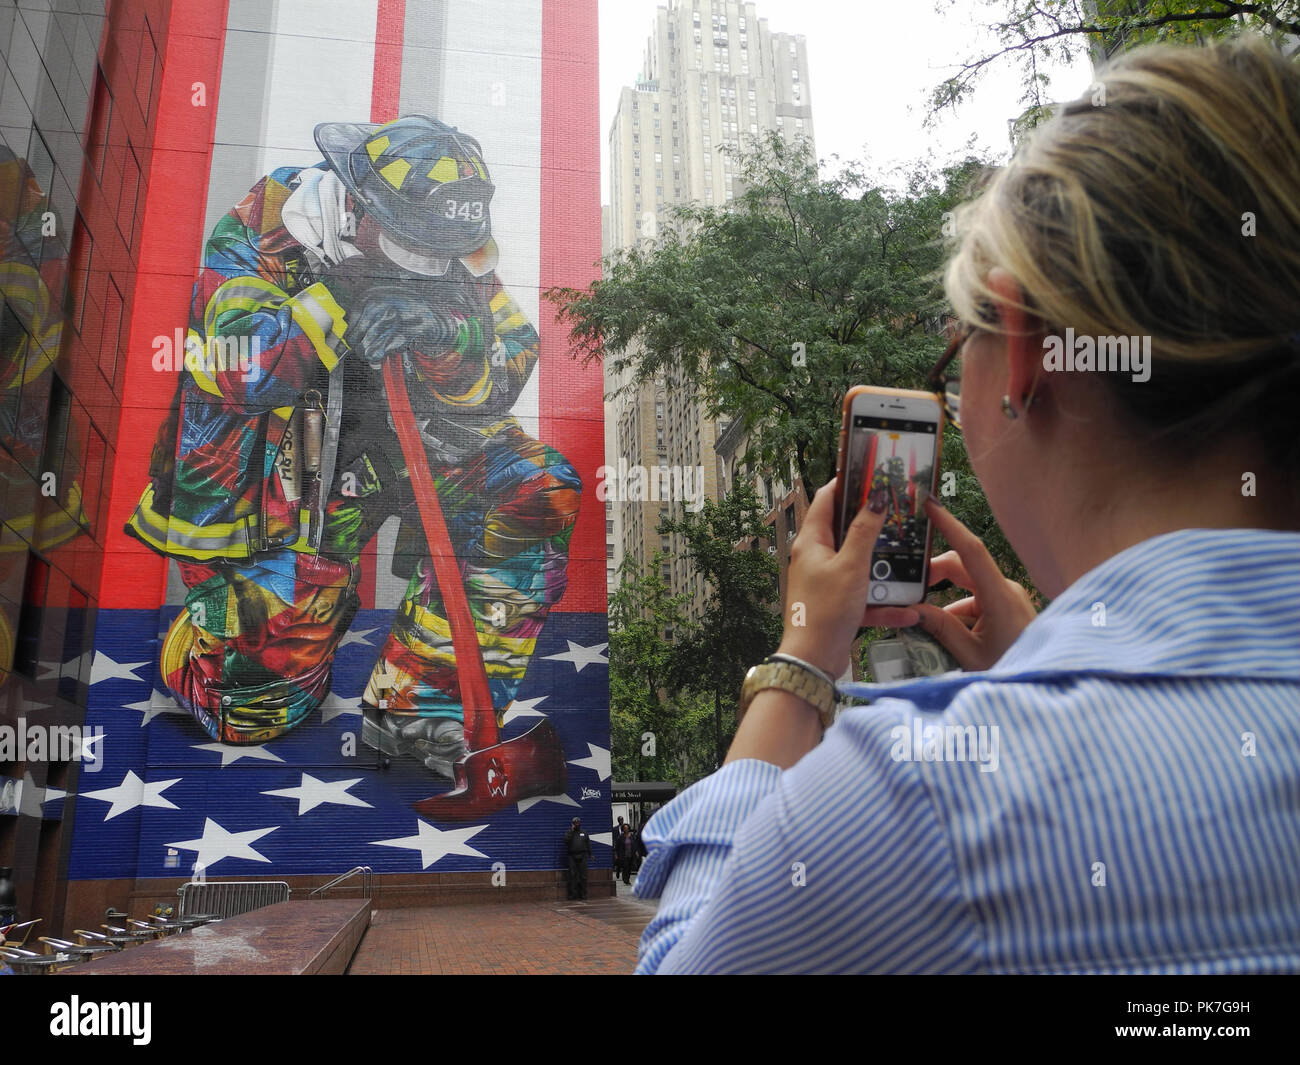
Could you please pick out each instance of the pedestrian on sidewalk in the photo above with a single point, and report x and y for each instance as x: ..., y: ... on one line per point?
x: 578, y: 845
x: 638, y: 849
x: 626, y: 850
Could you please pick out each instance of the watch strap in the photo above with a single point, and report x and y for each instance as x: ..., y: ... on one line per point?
x: 795, y: 677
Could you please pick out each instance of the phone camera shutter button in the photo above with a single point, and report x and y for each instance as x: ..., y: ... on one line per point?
x: 880, y: 569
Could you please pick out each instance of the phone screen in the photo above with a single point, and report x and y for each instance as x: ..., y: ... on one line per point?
x: 892, y: 459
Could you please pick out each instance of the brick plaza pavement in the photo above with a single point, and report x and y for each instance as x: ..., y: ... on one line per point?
x: 592, y: 937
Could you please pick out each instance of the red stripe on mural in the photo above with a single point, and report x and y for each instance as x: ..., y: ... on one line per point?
x: 172, y: 232
x: 385, y: 97
x: 571, y: 395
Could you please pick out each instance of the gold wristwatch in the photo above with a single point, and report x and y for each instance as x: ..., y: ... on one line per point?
x: 793, y: 675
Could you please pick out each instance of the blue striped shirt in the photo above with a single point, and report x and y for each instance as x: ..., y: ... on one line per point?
x: 1134, y: 805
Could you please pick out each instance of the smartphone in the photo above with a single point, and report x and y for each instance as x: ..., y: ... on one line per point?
x: 890, y: 444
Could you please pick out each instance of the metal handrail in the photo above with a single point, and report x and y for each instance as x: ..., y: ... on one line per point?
x: 367, y: 882
x: 228, y: 898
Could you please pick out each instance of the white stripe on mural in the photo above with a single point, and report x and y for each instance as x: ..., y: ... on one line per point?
x: 492, y: 89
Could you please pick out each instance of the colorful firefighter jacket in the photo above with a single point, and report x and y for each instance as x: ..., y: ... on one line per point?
x: 265, y: 331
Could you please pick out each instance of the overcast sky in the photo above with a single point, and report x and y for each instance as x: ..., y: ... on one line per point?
x: 871, y: 65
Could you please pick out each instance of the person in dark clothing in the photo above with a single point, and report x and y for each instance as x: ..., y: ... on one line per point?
x: 626, y: 850
x: 621, y: 853
x: 637, y: 849
x: 578, y: 845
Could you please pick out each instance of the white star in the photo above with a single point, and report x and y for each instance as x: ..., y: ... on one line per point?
x: 563, y: 800
x: 435, y: 844
x: 312, y: 793
x: 54, y: 670
x: 334, y: 706
x: 156, y: 705
x: 606, y: 838
x: 217, y: 844
x: 597, y: 761
x: 523, y: 708
x: 30, y: 797
x: 133, y: 792
x: 26, y: 705
x: 104, y: 668
x: 234, y: 754
x: 83, y: 748
x: 581, y: 656
x: 357, y: 637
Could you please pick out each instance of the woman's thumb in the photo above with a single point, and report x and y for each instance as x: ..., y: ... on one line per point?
x: 950, y: 633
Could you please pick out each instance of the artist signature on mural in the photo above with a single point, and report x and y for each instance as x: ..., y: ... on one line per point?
x: 590, y: 793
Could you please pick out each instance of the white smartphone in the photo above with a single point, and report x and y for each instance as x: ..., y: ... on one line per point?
x: 889, y: 451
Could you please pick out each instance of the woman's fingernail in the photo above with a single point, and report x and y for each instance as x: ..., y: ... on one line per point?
x: 877, y: 506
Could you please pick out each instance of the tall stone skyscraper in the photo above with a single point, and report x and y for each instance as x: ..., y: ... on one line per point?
x: 714, y: 77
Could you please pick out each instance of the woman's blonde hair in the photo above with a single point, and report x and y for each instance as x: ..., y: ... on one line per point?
x: 1163, y: 203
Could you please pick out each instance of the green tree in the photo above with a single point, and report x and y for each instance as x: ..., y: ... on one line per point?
x: 740, y: 624
x: 642, y: 689
x: 772, y: 307
x: 1034, y: 33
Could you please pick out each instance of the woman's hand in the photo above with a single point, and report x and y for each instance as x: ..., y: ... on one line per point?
x: 976, y: 630
x: 826, y: 589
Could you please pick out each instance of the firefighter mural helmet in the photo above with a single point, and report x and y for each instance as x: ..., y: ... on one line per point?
x: 424, y: 181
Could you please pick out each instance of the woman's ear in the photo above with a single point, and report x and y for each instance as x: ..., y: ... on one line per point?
x: 1022, y: 332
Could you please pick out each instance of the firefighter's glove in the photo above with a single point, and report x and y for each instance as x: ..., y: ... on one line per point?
x: 388, y: 323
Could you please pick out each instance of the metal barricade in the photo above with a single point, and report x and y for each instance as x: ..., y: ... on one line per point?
x: 227, y: 898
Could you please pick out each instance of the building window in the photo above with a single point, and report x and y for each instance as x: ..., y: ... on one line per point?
x: 609, y: 550
x: 146, y: 70
x: 110, y: 342
x: 27, y: 640
x: 83, y: 246
x: 789, y: 522
x: 130, y: 195
x: 101, y: 114
x: 609, y: 527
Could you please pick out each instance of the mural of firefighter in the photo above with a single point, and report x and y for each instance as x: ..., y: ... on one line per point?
x: 352, y: 355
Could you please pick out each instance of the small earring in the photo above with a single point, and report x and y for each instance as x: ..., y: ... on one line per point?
x: 1007, y: 409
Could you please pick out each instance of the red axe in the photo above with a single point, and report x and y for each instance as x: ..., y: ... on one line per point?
x: 492, y: 774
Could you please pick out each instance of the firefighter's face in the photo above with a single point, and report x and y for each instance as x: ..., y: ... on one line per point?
x: 367, y: 233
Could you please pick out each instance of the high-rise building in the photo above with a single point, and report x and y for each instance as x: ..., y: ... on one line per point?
x: 714, y: 76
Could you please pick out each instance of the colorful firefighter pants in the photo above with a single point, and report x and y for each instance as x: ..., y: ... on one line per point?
x: 251, y: 654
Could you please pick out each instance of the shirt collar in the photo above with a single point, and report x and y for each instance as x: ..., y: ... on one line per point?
x: 1195, y: 602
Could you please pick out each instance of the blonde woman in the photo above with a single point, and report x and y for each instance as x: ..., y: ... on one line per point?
x: 1142, y: 810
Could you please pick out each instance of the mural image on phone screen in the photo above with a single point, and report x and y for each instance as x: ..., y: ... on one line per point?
x: 890, y: 460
